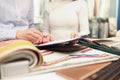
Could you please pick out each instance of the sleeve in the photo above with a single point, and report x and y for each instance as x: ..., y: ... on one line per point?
x: 7, y: 33
x: 83, y: 19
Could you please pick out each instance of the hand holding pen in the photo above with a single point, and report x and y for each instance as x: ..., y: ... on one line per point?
x: 45, y: 39
x: 73, y: 35
x: 33, y: 36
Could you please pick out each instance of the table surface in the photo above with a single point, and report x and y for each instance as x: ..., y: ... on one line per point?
x: 45, y: 76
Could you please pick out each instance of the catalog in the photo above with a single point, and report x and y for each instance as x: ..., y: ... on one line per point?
x: 59, y: 60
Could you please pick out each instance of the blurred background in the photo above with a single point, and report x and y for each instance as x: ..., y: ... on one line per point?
x: 100, y: 12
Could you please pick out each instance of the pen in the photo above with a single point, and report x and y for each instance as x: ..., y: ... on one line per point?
x: 85, y: 50
x: 85, y: 55
x: 88, y: 55
x: 73, y: 56
x: 57, y: 61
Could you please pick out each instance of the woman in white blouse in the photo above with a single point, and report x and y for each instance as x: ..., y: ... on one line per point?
x: 66, y: 19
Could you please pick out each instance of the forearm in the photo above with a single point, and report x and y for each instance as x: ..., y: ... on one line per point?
x: 9, y: 32
x: 6, y: 34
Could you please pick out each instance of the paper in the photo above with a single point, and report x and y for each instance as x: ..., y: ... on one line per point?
x: 58, y: 42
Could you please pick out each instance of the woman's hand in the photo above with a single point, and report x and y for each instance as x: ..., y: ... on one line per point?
x: 48, y: 38
x: 73, y: 35
x: 33, y: 36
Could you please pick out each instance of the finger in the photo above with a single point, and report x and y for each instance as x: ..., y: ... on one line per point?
x: 38, y: 37
x: 37, y: 32
x: 76, y: 35
x: 45, y: 40
x: 31, y: 38
x: 72, y: 35
x: 50, y: 38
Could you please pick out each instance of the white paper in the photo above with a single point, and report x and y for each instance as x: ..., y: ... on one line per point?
x: 59, y: 42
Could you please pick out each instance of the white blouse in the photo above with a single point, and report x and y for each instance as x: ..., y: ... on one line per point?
x: 65, y: 17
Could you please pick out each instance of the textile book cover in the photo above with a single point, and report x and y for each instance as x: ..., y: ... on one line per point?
x: 111, y: 42
x: 20, y: 50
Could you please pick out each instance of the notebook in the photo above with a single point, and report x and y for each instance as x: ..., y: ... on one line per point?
x: 67, y: 41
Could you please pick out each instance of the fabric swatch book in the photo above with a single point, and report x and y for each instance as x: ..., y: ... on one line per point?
x: 110, y: 45
x: 18, y: 50
x: 41, y: 61
x: 54, y: 60
x: 109, y: 42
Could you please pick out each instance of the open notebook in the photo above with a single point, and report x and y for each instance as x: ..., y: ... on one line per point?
x: 58, y: 42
